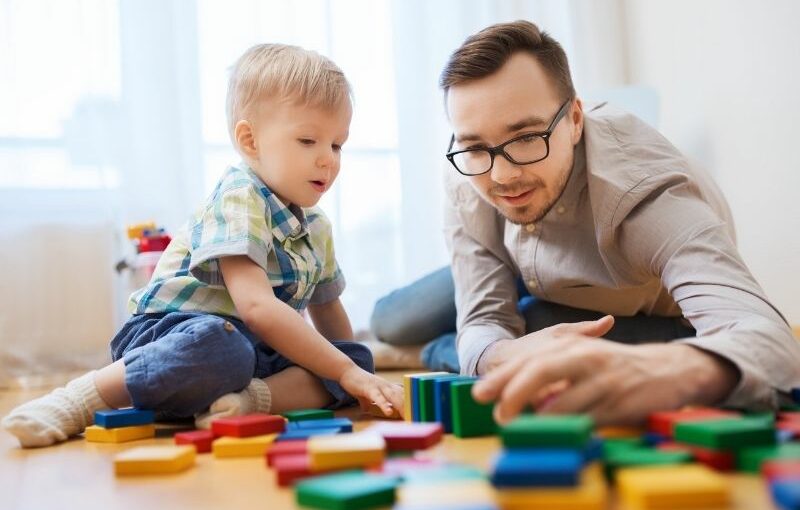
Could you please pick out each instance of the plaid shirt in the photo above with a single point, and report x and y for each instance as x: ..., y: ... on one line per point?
x: 243, y: 217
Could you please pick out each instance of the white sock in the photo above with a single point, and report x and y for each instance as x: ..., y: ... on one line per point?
x: 256, y: 398
x: 53, y: 418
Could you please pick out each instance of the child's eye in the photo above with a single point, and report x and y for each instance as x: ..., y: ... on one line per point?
x: 306, y: 141
x: 336, y: 147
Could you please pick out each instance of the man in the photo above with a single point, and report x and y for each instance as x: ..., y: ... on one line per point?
x: 595, y: 213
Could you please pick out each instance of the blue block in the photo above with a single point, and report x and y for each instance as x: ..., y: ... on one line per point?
x: 593, y: 450
x: 796, y: 395
x: 786, y: 493
x: 654, y: 438
x: 441, y: 400
x: 116, y: 418
x: 526, y: 467
x: 783, y: 436
x: 325, y: 423
x: 296, y: 433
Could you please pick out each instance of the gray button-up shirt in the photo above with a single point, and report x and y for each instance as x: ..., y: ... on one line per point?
x: 636, y: 230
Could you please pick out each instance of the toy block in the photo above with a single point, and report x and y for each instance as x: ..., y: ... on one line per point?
x: 114, y: 418
x: 444, y: 474
x: 788, y: 416
x: 307, y: 414
x: 95, y: 434
x: 593, y: 450
x: 249, y: 425
x: 791, y: 428
x: 673, y: 487
x: 201, y: 439
x: 786, y: 493
x: 663, y: 422
x: 408, y: 436
x: 400, y: 466
x: 719, y: 460
x: 411, y: 393
x: 301, y: 434
x: 537, y: 468
x: 643, y: 457
x: 470, y: 418
x: 796, y: 395
x: 154, y: 460
x: 451, y: 495
x: 343, y: 451
x: 619, y: 432
x: 590, y: 494
x: 654, y: 438
x: 726, y: 434
x: 344, y: 424
x: 441, y: 400
x: 292, y: 468
x: 346, y: 491
x: 531, y: 431
x: 610, y: 446
x: 427, y: 398
x: 750, y: 460
x: 774, y: 469
x: 252, y: 446
x: 375, y: 411
x: 281, y: 448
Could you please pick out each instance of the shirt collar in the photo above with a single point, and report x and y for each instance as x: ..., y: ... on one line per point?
x: 287, y: 222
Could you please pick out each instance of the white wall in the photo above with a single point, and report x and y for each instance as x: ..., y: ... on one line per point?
x: 728, y: 77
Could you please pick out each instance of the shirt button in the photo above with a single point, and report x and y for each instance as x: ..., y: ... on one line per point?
x: 560, y: 209
x: 530, y: 227
x: 532, y: 284
x: 229, y: 327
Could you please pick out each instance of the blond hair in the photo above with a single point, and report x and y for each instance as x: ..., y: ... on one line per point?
x: 283, y: 72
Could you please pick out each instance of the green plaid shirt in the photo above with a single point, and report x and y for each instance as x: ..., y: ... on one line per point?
x: 242, y: 216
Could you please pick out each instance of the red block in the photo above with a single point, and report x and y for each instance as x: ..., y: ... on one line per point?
x: 249, y: 425
x: 408, y: 435
x: 201, y: 439
x: 791, y: 425
x: 781, y: 469
x: 281, y: 448
x: 670, y: 446
x: 789, y: 416
x: 291, y: 468
x: 663, y: 422
x: 715, y: 459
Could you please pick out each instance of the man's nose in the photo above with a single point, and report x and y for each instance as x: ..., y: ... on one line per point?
x: 504, y: 171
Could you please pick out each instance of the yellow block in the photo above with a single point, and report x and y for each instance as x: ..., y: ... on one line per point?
x: 255, y: 446
x: 136, y: 231
x: 620, y: 432
x: 407, y: 403
x: 340, y: 451
x: 97, y: 434
x: 447, y: 492
x: 665, y: 487
x: 154, y: 460
x: 591, y: 494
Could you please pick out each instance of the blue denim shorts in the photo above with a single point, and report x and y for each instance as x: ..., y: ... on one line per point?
x: 178, y: 363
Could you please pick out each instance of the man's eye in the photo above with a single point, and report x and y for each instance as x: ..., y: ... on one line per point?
x: 475, y: 147
x: 306, y: 141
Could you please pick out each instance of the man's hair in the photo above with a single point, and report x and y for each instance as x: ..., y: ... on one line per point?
x: 484, y: 53
x: 283, y: 72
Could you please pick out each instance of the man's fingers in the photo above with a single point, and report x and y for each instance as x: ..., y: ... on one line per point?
x: 489, y: 387
x: 578, y: 398
x: 589, y: 328
x: 526, y: 386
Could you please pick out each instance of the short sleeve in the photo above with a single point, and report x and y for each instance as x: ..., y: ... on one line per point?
x: 331, y: 282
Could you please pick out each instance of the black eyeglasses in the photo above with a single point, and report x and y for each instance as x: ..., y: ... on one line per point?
x: 521, y: 150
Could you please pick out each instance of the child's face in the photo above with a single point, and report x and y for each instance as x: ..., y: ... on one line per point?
x: 298, y: 149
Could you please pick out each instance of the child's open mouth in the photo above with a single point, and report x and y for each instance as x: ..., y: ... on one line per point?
x: 319, y: 185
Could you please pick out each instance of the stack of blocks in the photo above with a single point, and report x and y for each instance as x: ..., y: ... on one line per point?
x: 121, y: 426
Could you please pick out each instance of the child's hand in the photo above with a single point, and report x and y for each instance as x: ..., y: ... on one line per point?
x: 368, y: 388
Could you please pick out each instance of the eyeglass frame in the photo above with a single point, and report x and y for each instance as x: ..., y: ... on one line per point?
x: 500, y: 149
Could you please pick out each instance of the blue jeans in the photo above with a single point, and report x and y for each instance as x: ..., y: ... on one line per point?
x: 178, y: 363
x: 425, y: 313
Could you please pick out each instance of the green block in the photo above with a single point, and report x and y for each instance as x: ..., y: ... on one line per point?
x: 750, y: 459
x: 427, y: 403
x: 728, y: 433
x: 643, y: 457
x: 308, y: 414
x: 351, y: 490
x: 531, y: 430
x: 438, y: 475
x: 618, y: 444
x: 470, y: 418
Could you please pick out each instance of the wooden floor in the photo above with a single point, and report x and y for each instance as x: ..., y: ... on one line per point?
x: 78, y: 474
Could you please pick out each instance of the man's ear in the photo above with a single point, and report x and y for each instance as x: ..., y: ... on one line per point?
x: 245, y: 139
x: 577, y: 121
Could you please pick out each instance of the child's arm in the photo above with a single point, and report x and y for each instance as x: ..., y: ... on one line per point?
x: 331, y: 320
x: 283, y: 329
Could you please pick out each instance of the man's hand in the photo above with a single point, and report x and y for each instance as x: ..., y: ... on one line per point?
x: 504, y: 350
x: 615, y: 383
x: 368, y: 388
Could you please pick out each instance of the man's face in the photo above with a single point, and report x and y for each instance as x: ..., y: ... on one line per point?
x: 518, y: 99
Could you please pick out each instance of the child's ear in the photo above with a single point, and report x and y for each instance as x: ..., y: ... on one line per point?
x: 243, y: 134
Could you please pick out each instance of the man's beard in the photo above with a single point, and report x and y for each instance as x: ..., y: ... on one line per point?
x: 534, y: 211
